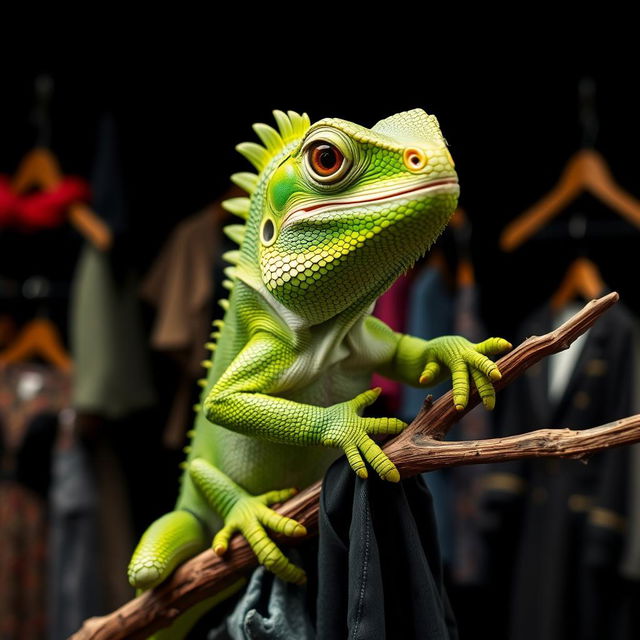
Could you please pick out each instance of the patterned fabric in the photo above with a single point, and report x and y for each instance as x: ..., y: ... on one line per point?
x: 26, y: 392
x: 23, y: 559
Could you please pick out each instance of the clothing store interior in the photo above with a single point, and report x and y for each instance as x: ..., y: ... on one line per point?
x: 111, y: 256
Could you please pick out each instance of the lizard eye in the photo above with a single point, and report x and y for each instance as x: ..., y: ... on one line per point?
x: 325, y: 161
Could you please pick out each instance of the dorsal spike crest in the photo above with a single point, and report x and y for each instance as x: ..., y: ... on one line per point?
x: 245, y: 180
x: 237, y: 206
x: 227, y: 284
x: 235, y: 232
x: 256, y: 154
x: 284, y: 124
x: 269, y: 136
x: 231, y: 256
x: 297, y: 124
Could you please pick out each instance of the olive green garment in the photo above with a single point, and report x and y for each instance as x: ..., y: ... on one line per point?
x: 112, y: 374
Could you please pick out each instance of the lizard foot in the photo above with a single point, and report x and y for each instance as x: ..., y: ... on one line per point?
x: 249, y: 515
x: 351, y: 432
x: 463, y: 358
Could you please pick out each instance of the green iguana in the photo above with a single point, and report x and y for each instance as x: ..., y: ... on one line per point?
x: 336, y: 213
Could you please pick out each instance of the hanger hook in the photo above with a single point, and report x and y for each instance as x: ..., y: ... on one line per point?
x: 588, y: 113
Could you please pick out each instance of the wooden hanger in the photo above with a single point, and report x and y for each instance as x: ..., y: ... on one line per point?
x: 586, y: 171
x: 39, y: 338
x: 581, y: 279
x: 40, y: 168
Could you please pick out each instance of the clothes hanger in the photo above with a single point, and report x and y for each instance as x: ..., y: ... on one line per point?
x: 586, y: 171
x: 582, y: 279
x: 40, y: 168
x: 39, y: 337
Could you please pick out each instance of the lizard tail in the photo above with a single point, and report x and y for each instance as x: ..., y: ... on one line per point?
x: 169, y: 541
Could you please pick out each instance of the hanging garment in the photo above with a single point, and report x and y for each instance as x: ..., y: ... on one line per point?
x: 391, y: 309
x: 111, y: 360
x: 112, y: 374
x: 43, y: 209
x: 181, y: 286
x: 566, y: 578
x: 29, y: 393
x: 74, y: 568
x: 631, y: 557
x: 23, y: 561
x: 430, y: 315
x: 379, y: 568
x: 468, y: 558
x: 270, y: 609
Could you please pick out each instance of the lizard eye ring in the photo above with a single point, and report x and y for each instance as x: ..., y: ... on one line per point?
x: 268, y: 232
x: 325, y: 162
x: 414, y: 159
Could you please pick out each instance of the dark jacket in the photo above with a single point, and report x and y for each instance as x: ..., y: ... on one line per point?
x: 566, y: 581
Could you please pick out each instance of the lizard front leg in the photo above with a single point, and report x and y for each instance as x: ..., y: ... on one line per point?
x: 420, y: 362
x: 240, y: 401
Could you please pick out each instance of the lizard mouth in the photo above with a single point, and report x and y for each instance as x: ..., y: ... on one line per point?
x: 417, y: 190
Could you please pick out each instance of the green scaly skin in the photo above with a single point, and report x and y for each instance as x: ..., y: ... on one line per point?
x: 294, y: 356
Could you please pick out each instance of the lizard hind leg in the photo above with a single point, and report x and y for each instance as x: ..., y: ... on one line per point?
x: 168, y: 542
x: 249, y: 515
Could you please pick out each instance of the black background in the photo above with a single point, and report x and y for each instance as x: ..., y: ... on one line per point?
x: 511, y: 128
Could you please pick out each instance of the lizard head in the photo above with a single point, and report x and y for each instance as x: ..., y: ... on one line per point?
x: 348, y: 209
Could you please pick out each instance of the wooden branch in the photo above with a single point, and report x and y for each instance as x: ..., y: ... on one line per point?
x: 419, y: 448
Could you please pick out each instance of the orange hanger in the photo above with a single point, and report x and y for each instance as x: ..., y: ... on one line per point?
x: 586, y: 171
x: 39, y: 338
x: 581, y: 279
x: 40, y: 168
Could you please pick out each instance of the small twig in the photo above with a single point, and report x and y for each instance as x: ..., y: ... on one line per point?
x: 419, y: 448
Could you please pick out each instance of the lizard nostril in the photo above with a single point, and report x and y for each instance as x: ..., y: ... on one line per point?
x: 414, y: 159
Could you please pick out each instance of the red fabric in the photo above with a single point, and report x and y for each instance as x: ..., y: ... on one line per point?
x: 44, y: 209
x: 391, y: 308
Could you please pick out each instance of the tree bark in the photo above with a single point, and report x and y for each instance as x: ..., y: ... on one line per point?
x: 417, y: 449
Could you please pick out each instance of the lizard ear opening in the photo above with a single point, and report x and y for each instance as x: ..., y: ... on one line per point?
x: 268, y: 232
